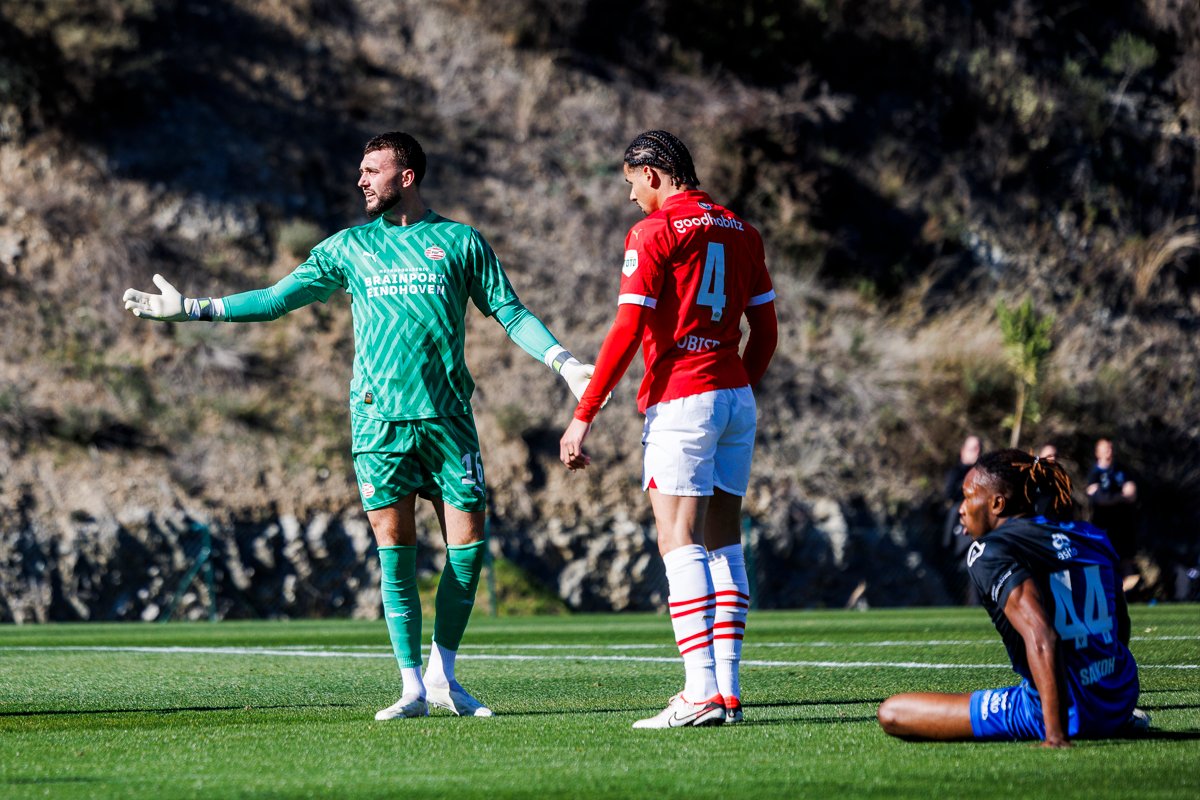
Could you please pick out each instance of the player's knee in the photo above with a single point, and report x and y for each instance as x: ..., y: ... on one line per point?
x: 889, y: 716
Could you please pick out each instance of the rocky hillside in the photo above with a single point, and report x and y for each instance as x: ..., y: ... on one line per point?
x: 910, y: 164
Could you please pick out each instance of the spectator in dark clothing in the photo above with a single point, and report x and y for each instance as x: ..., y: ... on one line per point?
x: 1112, y: 495
x: 1048, y: 452
x: 952, y: 553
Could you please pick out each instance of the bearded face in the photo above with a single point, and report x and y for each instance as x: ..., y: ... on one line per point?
x: 380, y: 177
x: 381, y: 201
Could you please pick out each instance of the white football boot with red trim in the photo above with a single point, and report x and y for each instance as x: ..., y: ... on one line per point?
x: 681, y: 712
x: 733, y: 709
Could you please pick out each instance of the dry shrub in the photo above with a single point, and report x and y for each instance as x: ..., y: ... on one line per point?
x: 1170, y: 245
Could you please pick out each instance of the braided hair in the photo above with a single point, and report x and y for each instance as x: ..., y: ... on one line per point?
x: 404, y: 147
x: 1030, y: 485
x: 663, y: 151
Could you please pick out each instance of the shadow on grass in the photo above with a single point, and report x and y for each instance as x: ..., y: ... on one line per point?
x: 1172, y: 736
x: 1152, y: 735
x: 750, y: 708
x: 793, y: 703
x: 754, y: 723
x: 554, y: 712
x: 185, y: 709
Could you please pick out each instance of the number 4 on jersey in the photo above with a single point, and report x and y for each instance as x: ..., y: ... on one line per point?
x: 1094, y: 621
x: 712, y: 283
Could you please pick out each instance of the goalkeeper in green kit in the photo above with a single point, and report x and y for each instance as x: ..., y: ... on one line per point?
x: 410, y: 273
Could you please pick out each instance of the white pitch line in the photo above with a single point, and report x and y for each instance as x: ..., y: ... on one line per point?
x: 280, y: 652
x: 876, y: 643
x: 218, y: 651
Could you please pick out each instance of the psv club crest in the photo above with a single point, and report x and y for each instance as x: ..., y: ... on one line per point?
x: 435, y: 253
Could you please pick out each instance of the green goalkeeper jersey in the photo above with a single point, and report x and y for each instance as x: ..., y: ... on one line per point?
x: 409, y: 286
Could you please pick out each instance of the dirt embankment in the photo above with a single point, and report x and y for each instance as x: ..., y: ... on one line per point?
x: 909, y: 167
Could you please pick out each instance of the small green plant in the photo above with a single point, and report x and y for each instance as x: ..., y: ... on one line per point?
x: 1027, y: 343
x: 1128, y: 56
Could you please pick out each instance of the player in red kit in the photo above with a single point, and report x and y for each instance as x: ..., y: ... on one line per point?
x: 692, y: 269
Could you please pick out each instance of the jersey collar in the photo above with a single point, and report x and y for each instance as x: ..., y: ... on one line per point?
x: 429, y: 217
x: 691, y: 196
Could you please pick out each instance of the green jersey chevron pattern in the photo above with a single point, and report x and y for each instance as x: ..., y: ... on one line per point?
x: 409, y: 286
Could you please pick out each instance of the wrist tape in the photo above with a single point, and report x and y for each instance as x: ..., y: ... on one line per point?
x: 559, y: 360
x: 204, y: 309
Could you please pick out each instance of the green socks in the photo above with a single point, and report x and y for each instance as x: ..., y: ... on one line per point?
x: 401, y: 603
x: 456, y: 592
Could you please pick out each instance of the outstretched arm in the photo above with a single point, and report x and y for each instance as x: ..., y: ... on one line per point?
x: 531, y: 335
x: 261, y: 304
x: 170, y: 306
x: 1025, y: 611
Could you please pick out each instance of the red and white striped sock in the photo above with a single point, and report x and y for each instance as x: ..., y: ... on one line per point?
x: 728, y: 568
x: 691, y: 603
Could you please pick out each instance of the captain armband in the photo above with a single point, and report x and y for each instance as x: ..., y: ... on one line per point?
x: 204, y: 309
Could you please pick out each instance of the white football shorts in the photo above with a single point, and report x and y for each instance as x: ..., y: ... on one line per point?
x: 694, y: 443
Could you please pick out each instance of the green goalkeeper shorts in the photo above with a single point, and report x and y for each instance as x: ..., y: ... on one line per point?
x: 437, y: 458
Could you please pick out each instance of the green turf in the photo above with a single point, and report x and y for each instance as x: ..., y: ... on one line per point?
x: 88, y: 722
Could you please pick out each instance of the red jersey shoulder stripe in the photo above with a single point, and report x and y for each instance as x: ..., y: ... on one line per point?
x: 636, y: 300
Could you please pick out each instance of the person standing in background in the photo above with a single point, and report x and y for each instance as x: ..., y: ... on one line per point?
x: 954, y: 543
x: 1112, y: 496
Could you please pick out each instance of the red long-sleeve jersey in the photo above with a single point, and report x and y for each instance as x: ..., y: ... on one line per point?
x: 691, y: 270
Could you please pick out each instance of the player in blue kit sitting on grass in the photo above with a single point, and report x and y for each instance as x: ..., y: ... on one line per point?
x: 1053, y: 590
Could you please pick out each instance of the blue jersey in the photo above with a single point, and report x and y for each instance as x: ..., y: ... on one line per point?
x: 1074, y: 568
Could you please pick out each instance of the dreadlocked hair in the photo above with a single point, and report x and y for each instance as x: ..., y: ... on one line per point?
x: 663, y: 151
x: 1031, y: 485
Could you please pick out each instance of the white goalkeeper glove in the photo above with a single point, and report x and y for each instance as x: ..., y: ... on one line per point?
x: 165, y: 307
x: 576, y: 374
x: 171, y: 306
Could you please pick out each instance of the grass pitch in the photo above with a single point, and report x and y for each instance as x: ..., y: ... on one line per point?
x: 285, y: 709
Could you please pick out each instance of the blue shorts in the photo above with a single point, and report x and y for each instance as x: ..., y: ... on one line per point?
x: 1014, y: 712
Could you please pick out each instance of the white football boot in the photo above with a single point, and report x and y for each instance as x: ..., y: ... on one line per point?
x: 733, y: 709
x: 1138, y: 723
x: 456, y: 700
x: 404, y: 707
x: 681, y: 712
